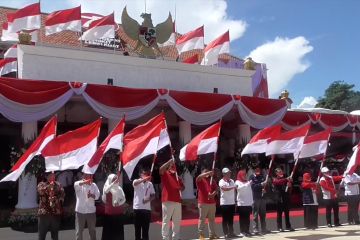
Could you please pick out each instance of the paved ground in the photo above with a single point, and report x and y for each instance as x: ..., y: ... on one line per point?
x: 188, y: 231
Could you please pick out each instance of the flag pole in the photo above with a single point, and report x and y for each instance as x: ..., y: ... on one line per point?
x: 268, y: 174
x: 122, y: 144
x: 293, y: 170
x: 213, y: 164
x: 323, y: 160
x: 155, y: 155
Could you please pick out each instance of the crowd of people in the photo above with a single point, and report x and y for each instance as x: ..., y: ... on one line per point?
x: 245, y: 195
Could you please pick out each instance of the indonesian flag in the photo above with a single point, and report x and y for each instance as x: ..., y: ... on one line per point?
x: 203, y: 143
x: 72, y: 149
x: 192, y: 60
x: 258, y: 143
x: 88, y: 18
x: 27, y: 18
x: 144, y: 140
x: 102, y: 28
x: 11, y: 52
x: 8, y: 65
x: 191, y: 40
x: 354, y: 161
x: 14, y: 37
x: 288, y: 142
x: 69, y: 19
x: 114, y: 140
x: 215, y: 48
x: 315, y: 144
x: 46, y: 135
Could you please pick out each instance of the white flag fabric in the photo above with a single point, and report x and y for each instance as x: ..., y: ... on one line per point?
x: 191, y: 40
x: 27, y: 18
x: 315, y: 144
x: 215, y: 48
x: 101, y: 28
x: 69, y: 19
x: 354, y: 161
x: 11, y: 52
x: 8, y: 65
x: 7, y: 36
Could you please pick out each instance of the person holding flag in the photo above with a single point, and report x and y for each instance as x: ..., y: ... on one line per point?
x: 172, y: 187
x: 206, y: 202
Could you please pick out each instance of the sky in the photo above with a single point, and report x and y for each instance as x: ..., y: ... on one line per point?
x: 306, y: 44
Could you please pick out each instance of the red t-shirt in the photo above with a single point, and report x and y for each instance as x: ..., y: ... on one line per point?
x: 170, y: 187
x: 204, y: 188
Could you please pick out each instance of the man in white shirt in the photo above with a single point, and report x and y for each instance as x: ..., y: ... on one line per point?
x: 144, y: 192
x: 351, y: 182
x: 227, y: 203
x: 85, y: 211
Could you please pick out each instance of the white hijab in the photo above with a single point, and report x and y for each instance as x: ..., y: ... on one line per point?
x: 118, y: 196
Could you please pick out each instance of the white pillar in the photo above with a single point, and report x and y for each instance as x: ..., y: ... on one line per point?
x: 27, y: 192
x: 244, y: 133
x: 185, y: 137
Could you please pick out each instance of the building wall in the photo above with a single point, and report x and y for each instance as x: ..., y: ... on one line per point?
x: 96, y: 66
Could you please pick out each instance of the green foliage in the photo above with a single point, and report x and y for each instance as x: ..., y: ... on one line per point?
x: 340, y: 96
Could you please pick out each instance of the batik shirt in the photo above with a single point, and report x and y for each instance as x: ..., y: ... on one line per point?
x: 51, y: 198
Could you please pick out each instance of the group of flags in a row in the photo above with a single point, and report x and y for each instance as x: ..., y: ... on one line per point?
x: 78, y: 148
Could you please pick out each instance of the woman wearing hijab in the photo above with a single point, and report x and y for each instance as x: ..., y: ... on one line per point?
x: 113, y: 197
x: 310, y: 202
x: 244, y: 201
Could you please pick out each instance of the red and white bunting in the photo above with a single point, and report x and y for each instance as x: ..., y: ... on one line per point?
x: 88, y: 18
x: 142, y: 141
x: 315, y: 144
x: 27, y: 18
x: 191, y: 40
x: 99, y: 29
x: 8, y: 65
x: 73, y: 149
x: 114, y: 140
x: 215, y: 48
x: 203, y: 143
x: 354, y: 161
x: 69, y: 19
x: 192, y: 60
x: 288, y: 142
x: 259, y: 142
x: 11, y: 52
x: 47, y: 134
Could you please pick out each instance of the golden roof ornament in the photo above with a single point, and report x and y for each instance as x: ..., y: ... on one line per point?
x: 249, y: 64
x: 24, y: 38
x: 146, y: 35
x: 285, y: 95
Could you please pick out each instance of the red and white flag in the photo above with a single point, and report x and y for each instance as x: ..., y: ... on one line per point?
x: 88, y: 18
x: 11, y: 52
x: 101, y: 28
x: 203, y: 143
x: 354, y: 161
x: 69, y: 19
x: 315, y: 144
x: 8, y: 65
x: 215, y: 48
x: 192, y: 60
x: 288, y: 142
x: 144, y: 140
x: 73, y: 149
x: 47, y: 134
x: 191, y: 40
x: 114, y: 140
x: 258, y: 143
x: 7, y: 36
x: 27, y: 18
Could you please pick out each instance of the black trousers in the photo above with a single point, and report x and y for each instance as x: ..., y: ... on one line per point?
x: 113, y: 228
x: 259, y: 211
x: 49, y: 223
x: 244, y: 218
x: 311, y: 216
x: 332, y: 204
x: 142, y: 224
x: 282, y: 206
x: 227, y: 212
x: 353, y: 207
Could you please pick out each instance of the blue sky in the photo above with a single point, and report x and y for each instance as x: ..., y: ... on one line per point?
x: 306, y: 44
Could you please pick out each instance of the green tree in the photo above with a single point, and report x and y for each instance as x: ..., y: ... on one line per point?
x: 340, y: 96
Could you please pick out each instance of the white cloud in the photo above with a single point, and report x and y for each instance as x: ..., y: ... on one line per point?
x: 284, y: 58
x: 308, y: 102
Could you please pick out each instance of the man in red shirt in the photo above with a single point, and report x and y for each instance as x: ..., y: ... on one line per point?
x: 206, y: 203
x: 171, y: 200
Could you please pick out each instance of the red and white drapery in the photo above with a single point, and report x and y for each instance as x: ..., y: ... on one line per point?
x: 32, y: 100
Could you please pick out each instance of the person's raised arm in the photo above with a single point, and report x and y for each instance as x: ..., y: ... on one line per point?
x: 165, y: 166
x: 204, y: 175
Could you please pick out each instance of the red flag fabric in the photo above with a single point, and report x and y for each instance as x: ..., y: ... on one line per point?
x: 354, y: 161
x: 69, y: 19
x: 315, y: 144
x: 46, y: 135
x: 114, y: 140
x: 203, y: 143
x: 101, y: 28
x: 215, y: 48
x: 8, y: 65
x: 259, y: 142
x: 88, y: 18
x: 191, y: 40
x: 192, y: 60
x: 73, y: 149
x: 27, y: 18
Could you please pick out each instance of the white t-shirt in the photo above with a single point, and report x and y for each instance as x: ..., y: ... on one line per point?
x: 351, y: 189
x: 227, y: 197
x: 83, y: 203
x: 244, y: 195
x: 142, y: 190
